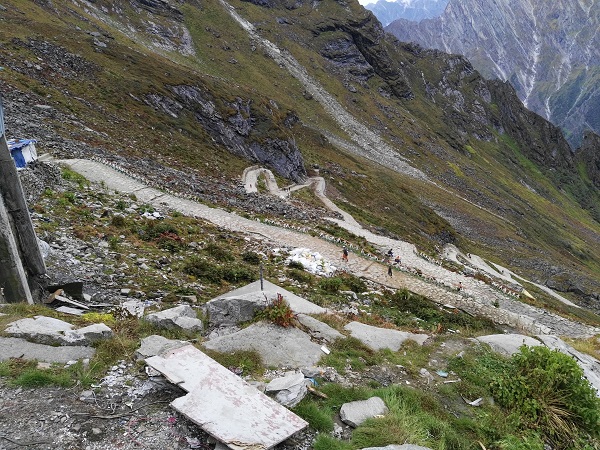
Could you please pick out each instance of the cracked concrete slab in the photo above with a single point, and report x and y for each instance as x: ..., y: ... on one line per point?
x: 224, y: 405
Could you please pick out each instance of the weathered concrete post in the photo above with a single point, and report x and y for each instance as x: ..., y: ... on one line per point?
x: 19, y: 246
x: 13, y: 280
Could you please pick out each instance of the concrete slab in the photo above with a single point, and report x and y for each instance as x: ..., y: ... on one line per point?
x: 20, y: 348
x: 224, y: 405
x: 319, y: 330
x: 277, y: 346
x: 508, y: 344
x: 380, y: 338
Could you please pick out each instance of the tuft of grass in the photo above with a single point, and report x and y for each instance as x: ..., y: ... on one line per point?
x: 350, y: 353
x: 245, y: 362
x: 318, y: 418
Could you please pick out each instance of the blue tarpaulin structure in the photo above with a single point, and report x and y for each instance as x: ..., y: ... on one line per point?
x: 22, y: 151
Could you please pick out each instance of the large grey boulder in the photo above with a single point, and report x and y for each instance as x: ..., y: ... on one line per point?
x: 355, y: 413
x: 318, y: 329
x: 50, y: 331
x: 183, y: 317
x: 230, y: 311
x: 241, y: 304
x: 379, y: 338
x: 508, y: 344
x: 277, y: 346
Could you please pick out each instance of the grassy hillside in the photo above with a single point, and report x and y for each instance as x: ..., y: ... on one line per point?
x: 111, y: 78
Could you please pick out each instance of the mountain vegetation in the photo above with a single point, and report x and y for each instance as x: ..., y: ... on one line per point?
x: 549, y: 52
x: 414, y: 143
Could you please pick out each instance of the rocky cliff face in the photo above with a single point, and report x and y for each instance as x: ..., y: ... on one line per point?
x: 415, y: 10
x: 549, y: 51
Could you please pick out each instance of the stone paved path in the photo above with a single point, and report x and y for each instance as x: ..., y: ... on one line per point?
x: 476, y: 297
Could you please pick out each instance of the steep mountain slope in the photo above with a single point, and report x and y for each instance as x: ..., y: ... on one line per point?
x: 549, y: 51
x: 414, y: 10
x: 412, y: 142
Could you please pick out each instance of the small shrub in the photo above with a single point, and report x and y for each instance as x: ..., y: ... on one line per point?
x: 278, y: 312
x: 71, y: 175
x: 235, y: 273
x: 548, y: 392
x: 118, y: 221
x: 331, y: 285
x: 296, y: 265
x: 121, y: 205
x: 354, y: 283
x: 218, y: 252
x: 202, y: 269
x: 251, y: 258
x: 300, y: 275
x: 170, y: 241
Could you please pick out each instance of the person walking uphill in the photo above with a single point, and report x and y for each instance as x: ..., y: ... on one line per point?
x: 390, y: 270
x: 345, y: 254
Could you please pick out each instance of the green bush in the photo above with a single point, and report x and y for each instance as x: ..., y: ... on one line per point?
x: 331, y: 285
x: 218, y: 252
x: 353, y: 283
x: 296, y: 265
x: 547, y: 391
x: 300, y: 275
x: 202, y: 269
x: 251, y: 258
x: 235, y: 273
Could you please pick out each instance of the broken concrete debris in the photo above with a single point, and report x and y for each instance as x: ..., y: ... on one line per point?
x: 289, y: 390
x: 223, y: 404
x: 355, y: 413
x: 182, y: 317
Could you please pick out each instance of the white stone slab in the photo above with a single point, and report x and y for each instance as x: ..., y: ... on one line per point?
x: 224, y: 405
x: 379, y: 338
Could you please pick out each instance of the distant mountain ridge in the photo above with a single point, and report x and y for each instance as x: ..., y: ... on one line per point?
x: 415, y: 10
x: 549, y: 51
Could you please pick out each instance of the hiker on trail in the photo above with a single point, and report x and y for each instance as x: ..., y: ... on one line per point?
x: 397, y: 260
x: 459, y: 287
x: 390, y: 270
x: 345, y: 254
x: 390, y: 253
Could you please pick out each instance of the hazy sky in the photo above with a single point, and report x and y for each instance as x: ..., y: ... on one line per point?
x: 366, y: 2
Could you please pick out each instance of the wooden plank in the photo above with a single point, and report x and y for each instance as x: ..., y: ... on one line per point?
x: 225, y: 406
